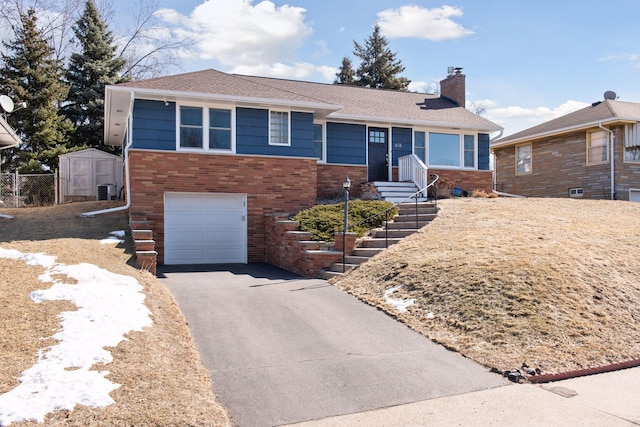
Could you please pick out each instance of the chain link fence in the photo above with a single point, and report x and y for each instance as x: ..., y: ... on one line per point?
x: 18, y: 191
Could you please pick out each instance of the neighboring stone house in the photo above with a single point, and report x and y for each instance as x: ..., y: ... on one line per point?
x: 591, y: 153
x: 210, y: 153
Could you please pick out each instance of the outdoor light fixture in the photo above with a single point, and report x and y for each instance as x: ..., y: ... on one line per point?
x: 346, y: 185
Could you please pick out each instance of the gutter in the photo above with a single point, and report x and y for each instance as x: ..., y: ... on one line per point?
x: 127, y: 176
x: 612, y: 139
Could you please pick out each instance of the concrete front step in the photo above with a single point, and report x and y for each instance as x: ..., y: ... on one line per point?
x: 396, y: 184
x: 403, y: 200
x: 337, y: 267
x: 412, y: 217
x: 380, y: 233
x: 352, y: 259
x: 367, y: 252
x: 410, y: 208
x: 406, y: 224
x: 326, y: 275
x: 379, y: 242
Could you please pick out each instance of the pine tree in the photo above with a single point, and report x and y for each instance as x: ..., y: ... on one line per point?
x: 89, y: 72
x: 30, y: 74
x: 346, y: 75
x: 379, y: 67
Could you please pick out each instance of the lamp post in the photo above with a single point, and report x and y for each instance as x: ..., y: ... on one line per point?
x: 346, y: 185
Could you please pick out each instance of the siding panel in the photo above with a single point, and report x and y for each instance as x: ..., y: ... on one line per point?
x: 154, y: 125
x: 400, y: 143
x: 346, y: 143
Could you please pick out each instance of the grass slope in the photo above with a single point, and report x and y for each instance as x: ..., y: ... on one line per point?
x: 551, y: 282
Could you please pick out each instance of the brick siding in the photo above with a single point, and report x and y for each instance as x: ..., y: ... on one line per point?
x: 271, y: 184
x: 331, y: 177
x: 559, y: 164
x: 468, y: 180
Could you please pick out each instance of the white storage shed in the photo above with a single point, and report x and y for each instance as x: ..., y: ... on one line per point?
x: 90, y: 174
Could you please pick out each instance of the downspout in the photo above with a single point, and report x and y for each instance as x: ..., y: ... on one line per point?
x: 612, y: 138
x: 494, y: 174
x: 126, y: 172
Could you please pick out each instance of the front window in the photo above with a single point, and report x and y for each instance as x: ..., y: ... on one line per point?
x: 219, y: 129
x: 632, y: 144
x: 420, y: 146
x: 523, y: 159
x: 279, y: 128
x: 597, y: 147
x: 191, y: 135
x: 469, y: 151
x: 318, y: 141
x: 444, y: 149
x: 205, y: 128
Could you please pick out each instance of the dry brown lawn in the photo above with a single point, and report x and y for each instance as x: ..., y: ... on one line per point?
x: 550, y: 282
x: 163, y: 382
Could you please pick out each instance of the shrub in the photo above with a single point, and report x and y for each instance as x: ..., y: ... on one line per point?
x: 322, y: 221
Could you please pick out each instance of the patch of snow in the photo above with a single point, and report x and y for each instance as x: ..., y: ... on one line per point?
x: 109, y: 306
x: 398, y: 304
x: 6, y: 216
x: 115, y: 237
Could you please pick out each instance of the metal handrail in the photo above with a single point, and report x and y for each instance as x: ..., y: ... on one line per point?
x: 386, y: 211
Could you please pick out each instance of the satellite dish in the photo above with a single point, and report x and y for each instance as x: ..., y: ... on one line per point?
x: 610, y: 95
x: 6, y: 103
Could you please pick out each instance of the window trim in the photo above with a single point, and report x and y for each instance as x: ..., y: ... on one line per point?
x: 607, y: 148
x: 576, y: 192
x: 206, y: 127
x: 632, y: 131
x: 517, y: 147
x: 460, y: 134
x: 279, y: 144
x: 323, y: 150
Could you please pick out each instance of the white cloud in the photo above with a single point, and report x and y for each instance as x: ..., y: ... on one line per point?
x: 632, y: 58
x: 423, y: 87
x: 414, y: 21
x: 298, y: 71
x: 516, y: 118
x: 238, y: 33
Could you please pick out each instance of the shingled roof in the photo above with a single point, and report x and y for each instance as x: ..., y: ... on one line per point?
x: 337, y: 101
x: 605, y: 112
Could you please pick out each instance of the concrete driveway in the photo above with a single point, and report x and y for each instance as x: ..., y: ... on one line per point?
x: 284, y: 349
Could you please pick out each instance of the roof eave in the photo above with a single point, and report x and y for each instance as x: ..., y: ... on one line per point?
x: 173, y: 96
x: 563, y: 131
x: 8, y: 137
x: 414, y: 122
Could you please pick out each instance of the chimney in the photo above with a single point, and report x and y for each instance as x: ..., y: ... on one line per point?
x: 453, y: 87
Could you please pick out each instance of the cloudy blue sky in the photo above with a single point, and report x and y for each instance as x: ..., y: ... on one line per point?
x: 527, y: 62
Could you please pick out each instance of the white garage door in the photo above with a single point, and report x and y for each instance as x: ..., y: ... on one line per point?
x: 205, y: 228
x: 634, y: 195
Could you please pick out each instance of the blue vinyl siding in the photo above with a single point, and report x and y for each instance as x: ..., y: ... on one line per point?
x: 154, y: 125
x: 400, y: 143
x: 483, y: 152
x: 346, y: 143
x: 252, y: 134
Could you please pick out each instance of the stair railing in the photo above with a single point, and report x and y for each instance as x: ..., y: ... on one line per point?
x: 415, y: 196
x: 411, y: 168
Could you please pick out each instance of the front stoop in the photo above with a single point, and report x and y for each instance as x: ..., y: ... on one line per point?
x: 411, y: 218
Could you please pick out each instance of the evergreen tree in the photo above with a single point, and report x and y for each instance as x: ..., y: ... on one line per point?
x: 379, y: 67
x: 89, y: 72
x: 30, y: 74
x: 346, y: 75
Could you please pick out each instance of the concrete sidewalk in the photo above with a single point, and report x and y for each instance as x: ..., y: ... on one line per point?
x: 609, y: 399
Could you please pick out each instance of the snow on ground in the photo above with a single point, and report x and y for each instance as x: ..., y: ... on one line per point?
x: 399, y: 304
x: 114, y: 237
x: 109, y: 306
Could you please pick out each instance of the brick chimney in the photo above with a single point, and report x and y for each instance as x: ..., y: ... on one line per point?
x: 453, y: 87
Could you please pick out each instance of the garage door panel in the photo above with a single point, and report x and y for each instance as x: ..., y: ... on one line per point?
x: 204, y: 228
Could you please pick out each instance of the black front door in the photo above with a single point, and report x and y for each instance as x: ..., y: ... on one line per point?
x: 378, y: 149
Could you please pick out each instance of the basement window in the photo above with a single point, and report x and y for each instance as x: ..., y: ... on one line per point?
x: 575, y: 192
